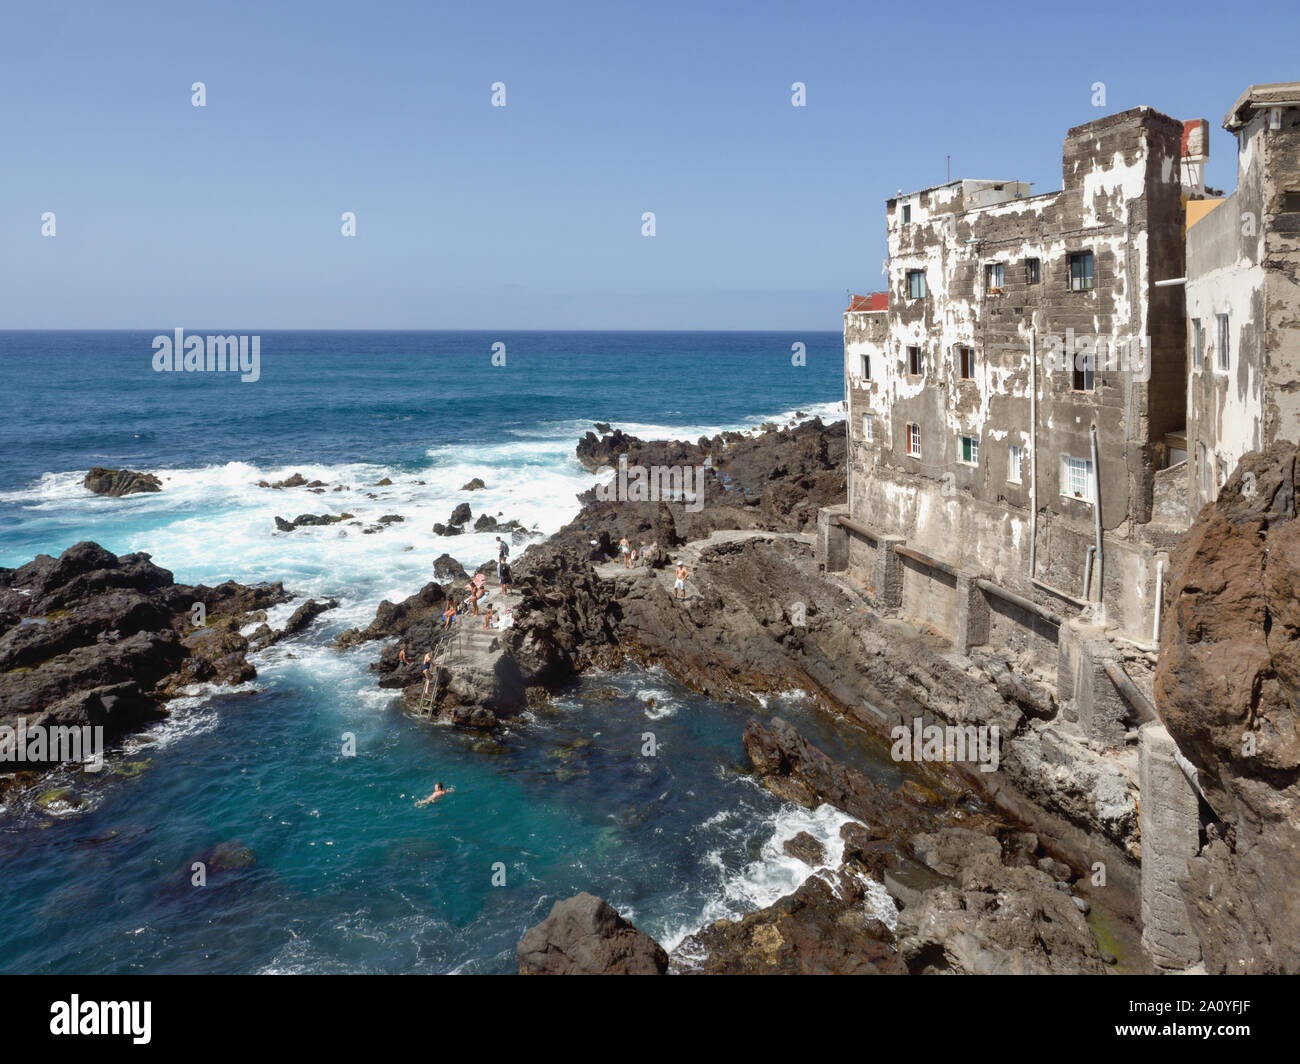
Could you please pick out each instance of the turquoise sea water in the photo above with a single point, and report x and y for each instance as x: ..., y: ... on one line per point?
x: 339, y: 871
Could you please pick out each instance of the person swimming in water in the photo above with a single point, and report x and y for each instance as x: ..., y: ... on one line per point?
x: 438, y: 792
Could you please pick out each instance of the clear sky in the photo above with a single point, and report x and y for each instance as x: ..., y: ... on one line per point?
x: 530, y: 215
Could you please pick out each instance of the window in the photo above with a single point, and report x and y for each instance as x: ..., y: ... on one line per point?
x: 970, y: 449
x: 916, y: 284
x: 914, y: 440
x: 914, y: 361
x: 1290, y: 203
x: 1033, y: 271
x: 966, y: 362
x: 1081, y: 277
x: 1198, y: 344
x: 907, y: 213
x: 1084, y: 376
x: 866, y: 367
x: 993, y: 277
x: 1076, y: 478
x: 868, y: 428
x: 1014, y: 462
x: 1225, y: 350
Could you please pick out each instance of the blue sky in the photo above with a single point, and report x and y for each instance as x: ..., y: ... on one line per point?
x: 529, y: 216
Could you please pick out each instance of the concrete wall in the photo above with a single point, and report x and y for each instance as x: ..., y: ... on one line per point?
x: 1170, y: 824
x: 929, y: 597
x: 1243, y: 260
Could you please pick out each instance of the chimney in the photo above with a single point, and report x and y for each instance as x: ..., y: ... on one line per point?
x: 1196, y: 152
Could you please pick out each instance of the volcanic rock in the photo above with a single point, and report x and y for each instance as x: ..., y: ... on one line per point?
x: 1227, y: 687
x: 120, y: 481
x: 583, y: 935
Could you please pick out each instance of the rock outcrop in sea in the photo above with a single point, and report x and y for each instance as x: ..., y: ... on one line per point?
x: 583, y: 935
x: 91, y: 638
x: 116, y: 482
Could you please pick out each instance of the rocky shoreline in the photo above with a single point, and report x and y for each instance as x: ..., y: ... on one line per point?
x: 761, y: 618
x: 957, y: 870
x: 93, y: 639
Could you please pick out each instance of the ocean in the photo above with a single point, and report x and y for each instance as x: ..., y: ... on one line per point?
x: 340, y: 871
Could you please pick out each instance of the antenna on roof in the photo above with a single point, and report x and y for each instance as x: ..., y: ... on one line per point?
x: 950, y: 169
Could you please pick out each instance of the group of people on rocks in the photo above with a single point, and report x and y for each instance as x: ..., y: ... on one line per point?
x: 477, y: 589
x: 631, y: 555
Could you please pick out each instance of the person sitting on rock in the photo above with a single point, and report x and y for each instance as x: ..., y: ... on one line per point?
x: 448, y: 615
x: 438, y: 792
x: 489, y: 617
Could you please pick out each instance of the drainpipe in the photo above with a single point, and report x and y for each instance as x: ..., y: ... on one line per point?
x: 1033, y: 453
x: 1096, y: 513
x: 1160, y: 590
x: 1087, y: 574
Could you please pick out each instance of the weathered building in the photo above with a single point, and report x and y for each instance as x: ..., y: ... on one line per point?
x: 1012, y: 406
x: 1243, y: 296
x: 1051, y: 388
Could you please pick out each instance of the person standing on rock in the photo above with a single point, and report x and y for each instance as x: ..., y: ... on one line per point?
x: 504, y: 576
x: 475, y: 590
x: 625, y: 549
x: 679, y: 585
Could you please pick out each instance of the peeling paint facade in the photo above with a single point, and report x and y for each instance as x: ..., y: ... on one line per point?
x: 1016, y: 325
x: 1243, y: 297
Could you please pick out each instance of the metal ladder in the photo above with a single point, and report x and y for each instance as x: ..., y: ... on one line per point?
x: 447, y: 647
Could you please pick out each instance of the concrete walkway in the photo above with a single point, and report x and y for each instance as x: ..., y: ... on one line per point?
x: 691, y: 554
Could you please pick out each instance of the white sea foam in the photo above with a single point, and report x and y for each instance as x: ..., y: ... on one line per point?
x: 773, y: 875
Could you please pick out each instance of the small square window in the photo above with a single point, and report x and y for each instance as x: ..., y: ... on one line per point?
x: 1224, y: 355
x: 914, y: 367
x: 994, y: 276
x: 1015, y: 462
x: 1198, y: 344
x: 1033, y: 271
x: 868, y: 428
x: 970, y: 450
x: 1081, y: 271
x: 916, y: 284
x: 966, y: 362
x: 914, y: 440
